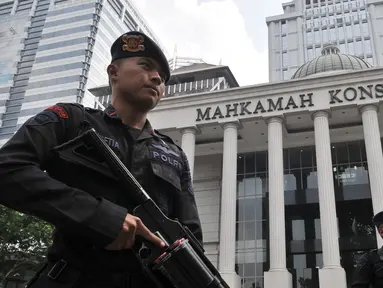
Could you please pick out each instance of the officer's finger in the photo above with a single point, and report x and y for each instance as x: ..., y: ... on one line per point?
x: 143, y: 231
x: 130, y: 236
x: 129, y: 243
x: 124, y: 239
x: 118, y: 243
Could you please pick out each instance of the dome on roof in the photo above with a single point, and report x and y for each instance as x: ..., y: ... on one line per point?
x: 331, y: 60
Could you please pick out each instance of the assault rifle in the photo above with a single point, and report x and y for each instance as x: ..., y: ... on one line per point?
x: 182, y: 262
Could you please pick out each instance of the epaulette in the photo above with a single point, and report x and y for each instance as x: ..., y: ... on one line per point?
x: 70, y: 105
x: 163, y: 136
x: 62, y: 109
x: 78, y: 105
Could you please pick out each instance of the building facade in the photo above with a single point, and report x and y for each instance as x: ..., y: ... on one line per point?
x: 287, y: 175
x: 54, y: 50
x: 299, y: 34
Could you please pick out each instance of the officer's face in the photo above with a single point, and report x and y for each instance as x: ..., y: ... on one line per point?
x: 380, y: 230
x: 138, y: 80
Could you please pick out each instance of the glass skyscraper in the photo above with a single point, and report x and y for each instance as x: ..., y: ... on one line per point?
x: 54, y: 50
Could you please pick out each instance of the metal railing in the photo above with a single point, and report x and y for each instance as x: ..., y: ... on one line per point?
x: 196, y: 87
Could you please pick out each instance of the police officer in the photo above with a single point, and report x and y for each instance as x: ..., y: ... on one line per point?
x: 94, y: 230
x: 369, y: 269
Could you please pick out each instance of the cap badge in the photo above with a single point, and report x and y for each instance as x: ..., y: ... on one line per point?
x: 133, y: 43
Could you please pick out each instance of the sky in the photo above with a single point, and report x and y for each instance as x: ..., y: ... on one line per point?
x: 231, y: 31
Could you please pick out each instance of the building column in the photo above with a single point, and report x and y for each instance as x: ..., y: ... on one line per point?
x: 374, y: 157
x: 277, y: 276
x: 228, y: 207
x: 332, y: 275
x: 272, y: 67
x: 188, y: 145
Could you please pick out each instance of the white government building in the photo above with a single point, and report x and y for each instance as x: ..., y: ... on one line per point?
x: 287, y: 175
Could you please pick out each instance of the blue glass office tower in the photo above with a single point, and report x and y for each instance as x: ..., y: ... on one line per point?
x: 54, y: 50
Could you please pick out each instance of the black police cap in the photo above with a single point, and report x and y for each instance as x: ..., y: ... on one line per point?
x: 378, y: 219
x: 137, y: 44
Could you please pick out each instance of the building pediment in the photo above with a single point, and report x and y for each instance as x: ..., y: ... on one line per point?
x: 325, y: 92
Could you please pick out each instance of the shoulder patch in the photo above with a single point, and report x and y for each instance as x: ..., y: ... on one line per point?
x: 60, y: 111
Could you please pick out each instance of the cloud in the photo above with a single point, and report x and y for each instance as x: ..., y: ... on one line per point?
x: 211, y: 30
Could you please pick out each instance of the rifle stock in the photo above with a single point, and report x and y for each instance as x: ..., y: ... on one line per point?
x: 182, y: 263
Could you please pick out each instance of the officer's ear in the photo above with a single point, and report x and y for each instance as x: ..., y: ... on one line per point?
x: 112, y: 71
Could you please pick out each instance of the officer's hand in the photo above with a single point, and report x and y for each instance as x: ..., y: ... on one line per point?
x: 133, y: 226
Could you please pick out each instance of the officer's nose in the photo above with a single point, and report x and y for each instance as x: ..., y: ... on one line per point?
x: 155, y: 78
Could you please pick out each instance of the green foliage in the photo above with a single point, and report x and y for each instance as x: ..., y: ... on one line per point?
x: 23, y: 240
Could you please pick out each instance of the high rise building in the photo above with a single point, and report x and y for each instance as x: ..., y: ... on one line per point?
x: 54, y: 50
x: 300, y: 33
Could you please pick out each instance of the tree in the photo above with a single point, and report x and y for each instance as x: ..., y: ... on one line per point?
x: 23, y: 241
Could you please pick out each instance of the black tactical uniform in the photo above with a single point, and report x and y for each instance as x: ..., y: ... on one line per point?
x: 86, y: 208
x: 369, y: 270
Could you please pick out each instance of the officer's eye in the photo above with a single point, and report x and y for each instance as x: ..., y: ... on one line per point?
x: 145, y: 64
